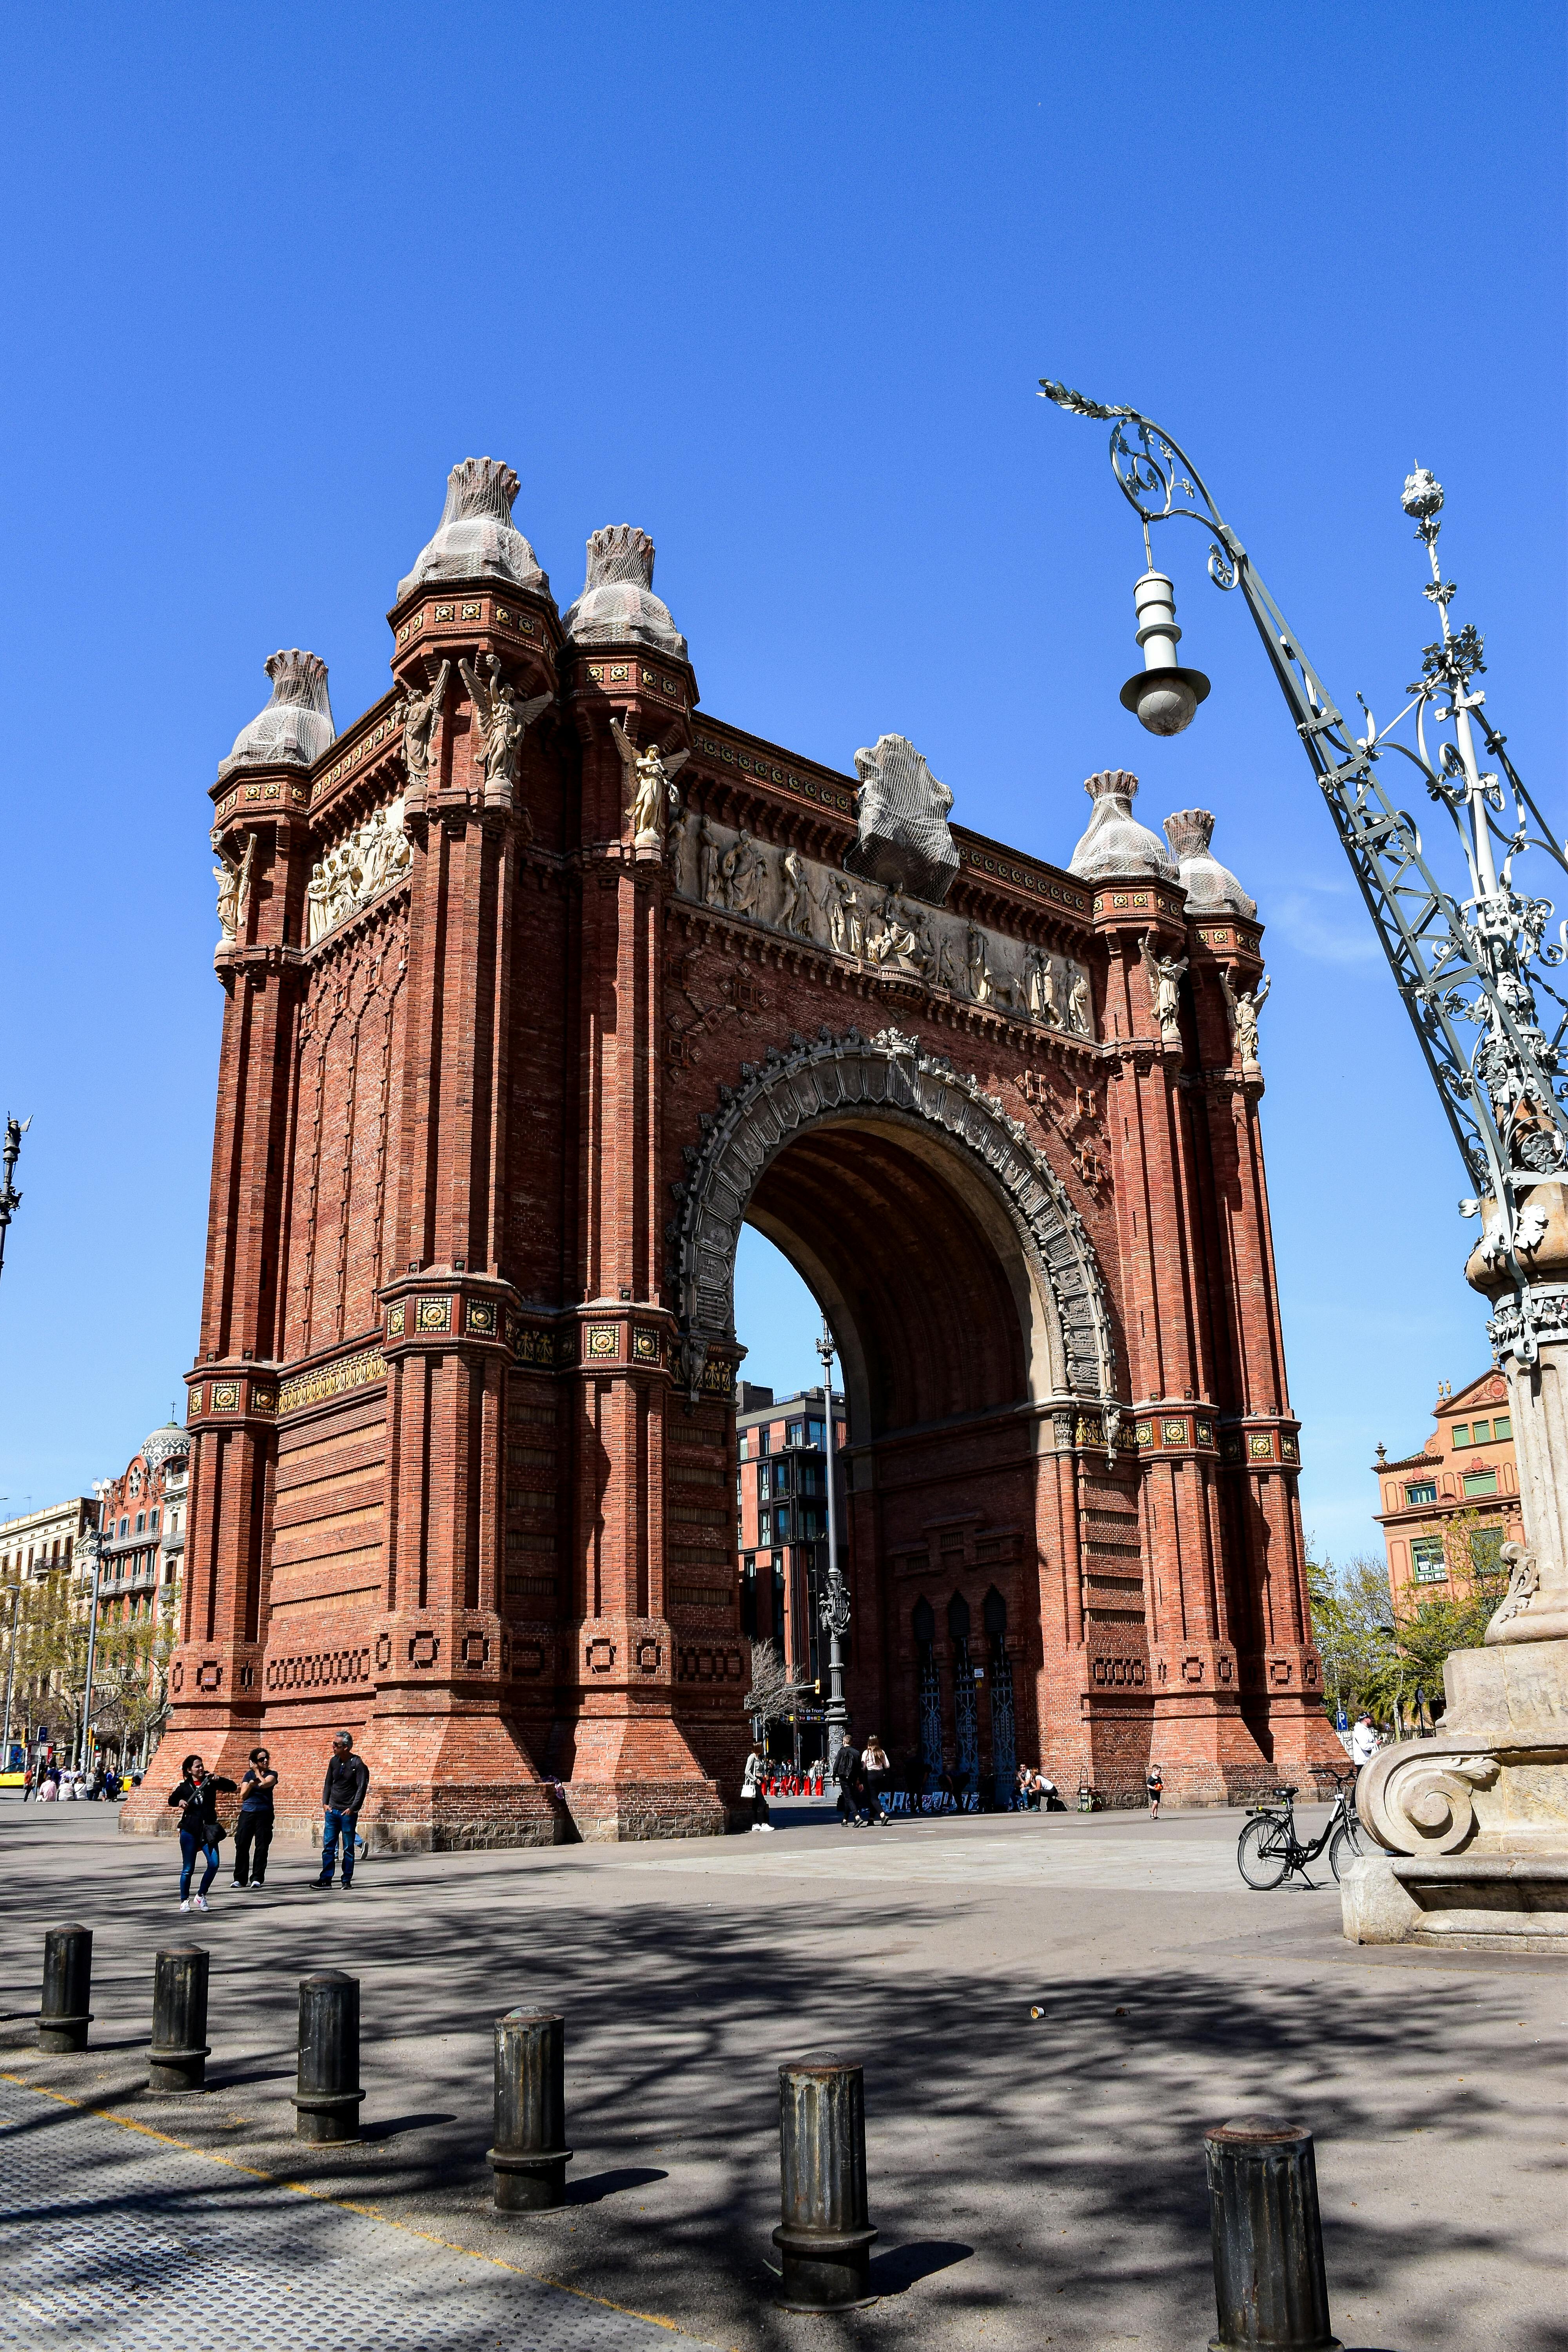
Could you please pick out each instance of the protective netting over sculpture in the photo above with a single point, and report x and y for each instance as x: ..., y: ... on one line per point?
x: 296, y: 725
x: 1114, y: 841
x: 475, y: 538
x: 902, y: 811
x: 617, y: 601
x: 1212, y: 888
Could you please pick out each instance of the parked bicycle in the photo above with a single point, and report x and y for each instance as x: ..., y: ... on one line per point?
x: 1269, y: 1849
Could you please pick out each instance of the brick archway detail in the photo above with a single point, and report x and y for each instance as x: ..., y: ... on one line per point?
x: 786, y: 1094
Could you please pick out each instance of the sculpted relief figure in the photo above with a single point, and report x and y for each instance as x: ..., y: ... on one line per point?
x: 420, y: 712
x: 977, y: 971
x: 796, y: 901
x: 1164, y: 977
x: 708, y: 879
x: 1044, y: 1002
x: 1080, y: 1008
x: 359, y: 869
x: 503, y: 719
x: 1244, y: 1007
x: 648, y: 786
x: 232, y: 876
x: 743, y: 874
x: 845, y: 920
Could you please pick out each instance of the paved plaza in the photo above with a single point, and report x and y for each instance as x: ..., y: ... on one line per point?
x: 1034, y: 2181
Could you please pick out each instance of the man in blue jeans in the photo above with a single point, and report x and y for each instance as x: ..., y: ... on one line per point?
x: 342, y: 1794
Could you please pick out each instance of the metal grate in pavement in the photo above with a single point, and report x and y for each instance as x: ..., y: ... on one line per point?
x: 113, y: 2240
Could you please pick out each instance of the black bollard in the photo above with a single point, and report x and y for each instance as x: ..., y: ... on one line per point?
x: 180, y: 2048
x: 825, y: 2233
x: 1268, y: 2237
x: 326, y: 2100
x: 530, y: 2156
x: 65, y: 2016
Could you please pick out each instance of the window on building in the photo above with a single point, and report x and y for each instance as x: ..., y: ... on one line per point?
x: 1481, y: 1482
x: 795, y: 1433
x: 140, y: 1521
x: 125, y: 1527
x: 815, y: 1432
x: 764, y: 1479
x: 749, y: 1596
x: 1481, y: 1432
x: 764, y: 1440
x: 1461, y: 1432
x: 741, y: 1447
x: 1502, y: 1428
x: 765, y: 1527
x: 169, y: 1573
x: 1427, y: 1563
x: 780, y: 1526
x: 153, y: 1523
x: 1421, y: 1490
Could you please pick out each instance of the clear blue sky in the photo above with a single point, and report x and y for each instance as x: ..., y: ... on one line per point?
x: 777, y: 284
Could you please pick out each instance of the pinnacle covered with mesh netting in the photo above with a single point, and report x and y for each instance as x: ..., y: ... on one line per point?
x: 475, y: 538
x: 1211, y: 888
x: 296, y: 726
x: 617, y: 604
x: 1115, y: 843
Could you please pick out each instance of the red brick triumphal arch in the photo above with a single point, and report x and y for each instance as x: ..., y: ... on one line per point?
x: 540, y: 983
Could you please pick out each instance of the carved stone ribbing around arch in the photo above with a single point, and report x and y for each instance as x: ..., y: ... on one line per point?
x: 791, y: 1092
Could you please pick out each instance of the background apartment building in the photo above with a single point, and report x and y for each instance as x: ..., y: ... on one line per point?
x: 1455, y: 1502
x: 782, y: 1517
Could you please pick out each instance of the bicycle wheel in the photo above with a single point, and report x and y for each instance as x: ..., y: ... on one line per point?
x: 1343, y: 1846
x: 1263, y: 1852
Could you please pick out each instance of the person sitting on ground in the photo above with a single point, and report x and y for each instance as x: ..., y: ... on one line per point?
x: 1025, y: 1795
x: 877, y: 1771
x: 200, y: 1828
x: 751, y: 1787
x: 344, y: 1792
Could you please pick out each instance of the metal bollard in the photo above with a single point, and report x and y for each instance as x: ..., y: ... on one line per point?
x: 1268, y: 2237
x: 327, y: 2099
x: 65, y: 2016
x: 180, y: 2048
x: 824, y: 2234
x: 530, y: 2156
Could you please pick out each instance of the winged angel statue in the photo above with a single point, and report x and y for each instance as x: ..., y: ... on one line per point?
x: 503, y: 718
x: 650, y: 785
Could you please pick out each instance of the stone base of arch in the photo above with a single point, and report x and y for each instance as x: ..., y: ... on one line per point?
x: 631, y: 1777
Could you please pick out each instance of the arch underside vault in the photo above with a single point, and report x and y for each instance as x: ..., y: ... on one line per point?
x: 953, y: 1266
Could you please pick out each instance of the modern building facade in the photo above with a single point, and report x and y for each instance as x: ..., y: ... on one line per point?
x: 1454, y: 1501
x: 781, y: 1496
x: 538, y: 982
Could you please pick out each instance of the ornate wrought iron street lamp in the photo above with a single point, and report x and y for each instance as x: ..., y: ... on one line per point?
x: 10, y: 1199
x: 833, y: 1608
x: 1477, y: 959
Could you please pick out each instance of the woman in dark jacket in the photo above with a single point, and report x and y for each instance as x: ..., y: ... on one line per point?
x: 199, y: 1832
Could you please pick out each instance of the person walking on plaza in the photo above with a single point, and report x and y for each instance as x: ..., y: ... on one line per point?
x: 200, y: 1828
x: 1155, y: 1785
x: 879, y: 1773
x: 343, y: 1793
x: 847, y: 1772
x: 26, y: 1784
x: 751, y: 1787
x: 253, y: 1831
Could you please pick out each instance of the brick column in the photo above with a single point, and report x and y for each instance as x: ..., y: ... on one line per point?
x: 1198, y: 1734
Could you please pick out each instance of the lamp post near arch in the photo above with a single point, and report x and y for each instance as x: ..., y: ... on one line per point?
x: 834, y: 1605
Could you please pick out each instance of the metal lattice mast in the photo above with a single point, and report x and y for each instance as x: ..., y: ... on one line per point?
x: 1478, y: 959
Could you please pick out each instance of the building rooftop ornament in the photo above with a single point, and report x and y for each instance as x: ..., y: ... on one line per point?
x: 1212, y: 888
x: 475, y: 539
x: 164, y: 1445
x: 617, y: 604
x: 904, y: 841
x: 1115, y: 843
x: 296, y: 726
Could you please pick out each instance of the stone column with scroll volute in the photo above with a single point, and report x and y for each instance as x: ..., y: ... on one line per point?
x: 1256, y: 1485
x: 629, y: 1764
x: 475, y: 633
x: 1473, y: 1825
x: 260, y: 836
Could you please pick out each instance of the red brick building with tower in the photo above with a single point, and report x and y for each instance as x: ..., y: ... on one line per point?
x: 540, y: 982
